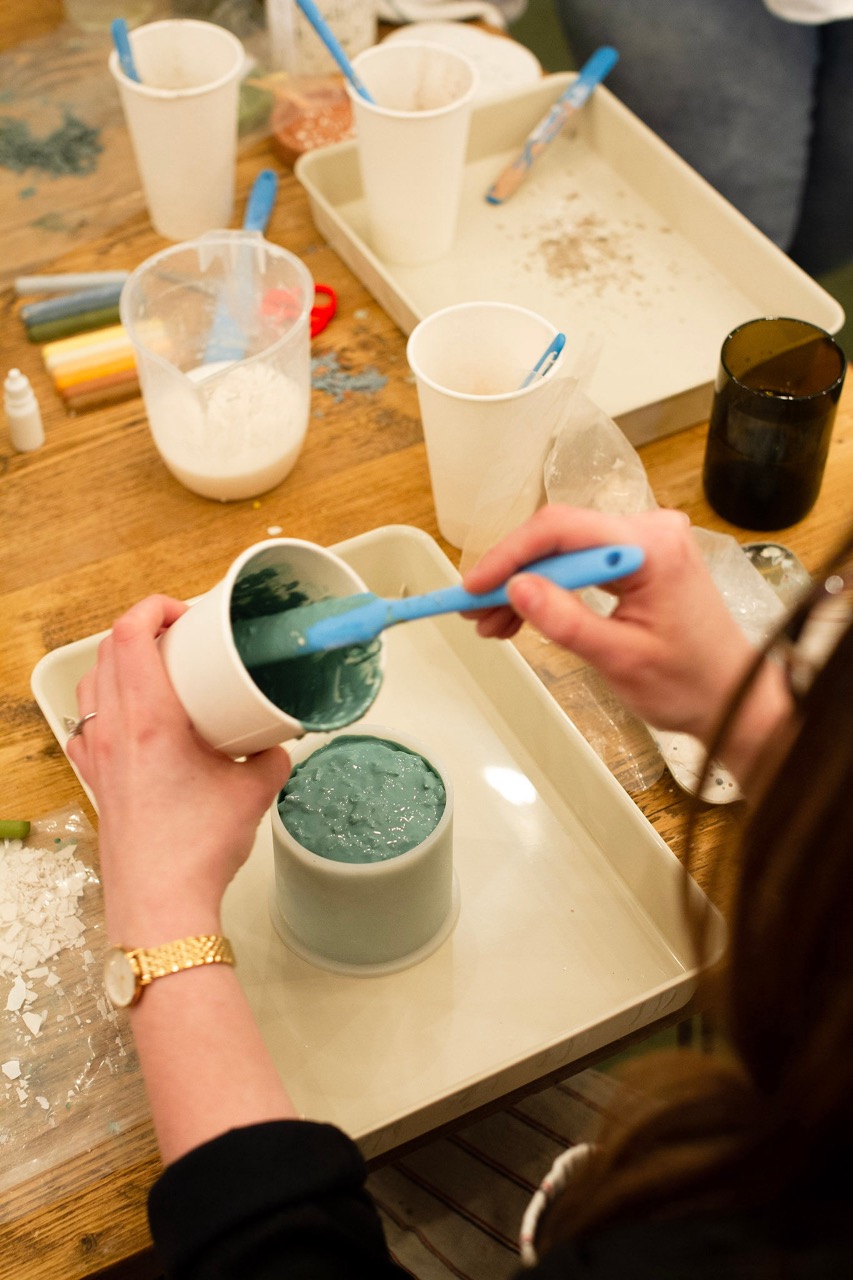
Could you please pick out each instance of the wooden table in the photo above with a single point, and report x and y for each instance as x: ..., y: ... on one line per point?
x: 93, y: 521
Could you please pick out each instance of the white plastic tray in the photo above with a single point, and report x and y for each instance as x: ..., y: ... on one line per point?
x: 612, y: 237
x: 570, y: 932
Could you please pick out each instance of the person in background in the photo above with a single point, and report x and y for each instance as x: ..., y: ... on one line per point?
x: 739, y: 1167
x: 756, y: 95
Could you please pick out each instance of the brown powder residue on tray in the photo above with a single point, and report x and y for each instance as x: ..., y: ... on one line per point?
x: 587, y: 249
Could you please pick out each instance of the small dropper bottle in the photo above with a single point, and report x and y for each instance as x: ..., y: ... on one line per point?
x: 22, y: 411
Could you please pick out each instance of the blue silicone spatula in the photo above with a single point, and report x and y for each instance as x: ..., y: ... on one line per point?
x: 226, y: 340
x: 350, y: 620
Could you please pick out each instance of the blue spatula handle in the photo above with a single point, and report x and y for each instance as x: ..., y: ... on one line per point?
x: 370, y: 616
x: 261, y: 201
x: 573, y: 570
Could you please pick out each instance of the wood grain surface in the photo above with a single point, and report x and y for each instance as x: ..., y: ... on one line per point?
x: 93, y: 521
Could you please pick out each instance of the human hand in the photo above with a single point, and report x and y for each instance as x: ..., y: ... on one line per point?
x: 176, y: 818
x: 671, y: 650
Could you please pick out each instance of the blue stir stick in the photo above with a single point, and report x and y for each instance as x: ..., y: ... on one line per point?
x: 121, y: 40
x: 546, y: 360
x: 349, y: 620
x: 324, y: 31
x: 226, y: 340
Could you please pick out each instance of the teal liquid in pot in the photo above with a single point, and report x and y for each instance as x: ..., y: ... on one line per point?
x: 362, y: 799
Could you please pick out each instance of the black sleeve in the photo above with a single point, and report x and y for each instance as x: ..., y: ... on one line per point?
x: 285, y: 1198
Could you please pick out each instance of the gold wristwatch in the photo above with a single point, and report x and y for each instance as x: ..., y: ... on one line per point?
x: 128, y: 973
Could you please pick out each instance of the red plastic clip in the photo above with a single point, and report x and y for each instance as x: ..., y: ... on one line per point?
x: 325, y: 306
x: 284, y: 304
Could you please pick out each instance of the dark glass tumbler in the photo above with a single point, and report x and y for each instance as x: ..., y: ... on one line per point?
x: 775, y: 399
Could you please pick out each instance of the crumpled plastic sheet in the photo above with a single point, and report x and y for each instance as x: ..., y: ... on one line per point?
x: 79, y: 1083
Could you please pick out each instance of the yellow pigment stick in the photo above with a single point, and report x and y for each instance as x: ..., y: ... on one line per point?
x: 90, y: 380
x: 66, y: 380
x: 83, y: 339
x: 72, y: 352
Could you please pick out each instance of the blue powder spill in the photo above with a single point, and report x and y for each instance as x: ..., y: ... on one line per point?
x: 327, y: 375
x: 72, y: 148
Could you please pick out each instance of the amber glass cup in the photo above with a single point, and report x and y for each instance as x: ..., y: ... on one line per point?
x: 774, y: 406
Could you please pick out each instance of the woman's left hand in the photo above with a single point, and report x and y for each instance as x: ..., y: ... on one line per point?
x: 176, y: 818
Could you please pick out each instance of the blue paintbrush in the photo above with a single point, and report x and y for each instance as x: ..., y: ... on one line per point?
x: 570, y: 100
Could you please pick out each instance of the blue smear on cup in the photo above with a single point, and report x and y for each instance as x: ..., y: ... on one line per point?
x: 322, y: 690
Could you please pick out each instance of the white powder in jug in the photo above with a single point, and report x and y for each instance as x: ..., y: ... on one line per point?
x: 239, y: 437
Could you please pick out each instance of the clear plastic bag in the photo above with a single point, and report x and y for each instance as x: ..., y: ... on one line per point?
x: 69, y: 1076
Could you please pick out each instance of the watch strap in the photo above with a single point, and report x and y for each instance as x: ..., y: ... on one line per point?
x: 186, y: 953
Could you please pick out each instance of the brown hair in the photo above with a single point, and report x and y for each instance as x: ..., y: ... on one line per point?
x: 764, y: 1121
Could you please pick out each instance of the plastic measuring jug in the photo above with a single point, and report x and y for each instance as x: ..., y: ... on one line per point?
x: 226, y: 429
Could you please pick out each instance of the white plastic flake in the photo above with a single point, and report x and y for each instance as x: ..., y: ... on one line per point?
x: 40, y: 892
x: 17, y: 995
x: 33, y: 1022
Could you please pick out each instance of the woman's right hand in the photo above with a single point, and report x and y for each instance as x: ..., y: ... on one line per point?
x: 670, y: 649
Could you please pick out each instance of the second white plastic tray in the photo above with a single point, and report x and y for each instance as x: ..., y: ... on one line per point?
x: 612, y: 237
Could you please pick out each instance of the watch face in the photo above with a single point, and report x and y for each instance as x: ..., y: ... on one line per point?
x: 120, y: 980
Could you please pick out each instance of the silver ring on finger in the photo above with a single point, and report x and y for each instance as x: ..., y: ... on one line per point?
x: 76, y: 726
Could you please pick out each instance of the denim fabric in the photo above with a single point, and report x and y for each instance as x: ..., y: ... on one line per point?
x: 760, y: 107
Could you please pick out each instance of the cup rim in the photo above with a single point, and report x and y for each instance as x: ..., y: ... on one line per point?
x: 229, y: 581
x: 193, y: 91
x: 392, y: 113
x: 211, y: 237
x: 468, y: 396
x: 385, y: 867
x: 806, y: 324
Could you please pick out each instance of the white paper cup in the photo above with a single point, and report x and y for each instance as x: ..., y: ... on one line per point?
x: 223, y: 699
x: 411, y: 145
x: 469, y: 362
x: 182, y: 120
x: 366, y: 918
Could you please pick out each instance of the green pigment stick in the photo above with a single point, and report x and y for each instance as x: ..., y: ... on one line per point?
x: 13, y: 830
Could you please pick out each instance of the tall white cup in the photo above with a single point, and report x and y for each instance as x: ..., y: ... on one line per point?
x: 182, y: 118
x: 469, y: 362
x: 412, y: 141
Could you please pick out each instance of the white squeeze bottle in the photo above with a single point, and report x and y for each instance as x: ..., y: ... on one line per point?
x: 22, y: 411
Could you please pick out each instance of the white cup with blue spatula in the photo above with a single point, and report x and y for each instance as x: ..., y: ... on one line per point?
x: 238, y: 711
